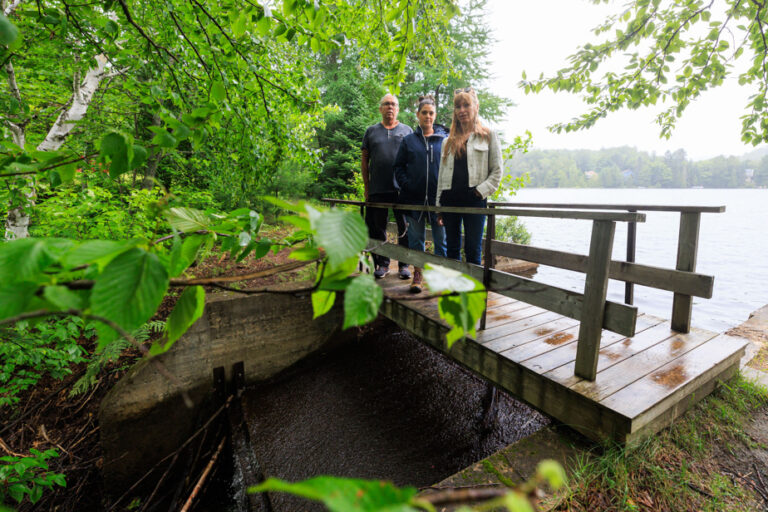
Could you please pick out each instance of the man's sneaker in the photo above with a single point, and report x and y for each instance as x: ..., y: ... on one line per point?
x: 404, y: 273
x: 416, y: 284
x: 380, y: 272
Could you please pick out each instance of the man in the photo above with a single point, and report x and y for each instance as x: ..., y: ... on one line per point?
x: 380, y: 145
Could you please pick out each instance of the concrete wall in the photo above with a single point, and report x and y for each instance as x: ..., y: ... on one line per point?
x: 143, y: 418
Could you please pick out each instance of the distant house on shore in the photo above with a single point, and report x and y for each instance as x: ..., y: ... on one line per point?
x: 591, y: 175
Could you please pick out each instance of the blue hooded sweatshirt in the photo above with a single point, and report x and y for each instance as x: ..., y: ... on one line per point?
x: 417, y: 164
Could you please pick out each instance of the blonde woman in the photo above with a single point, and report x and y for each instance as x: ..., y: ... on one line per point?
x: 470, y: 171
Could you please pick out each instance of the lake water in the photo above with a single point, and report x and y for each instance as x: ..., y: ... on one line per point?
x: 733, y: 246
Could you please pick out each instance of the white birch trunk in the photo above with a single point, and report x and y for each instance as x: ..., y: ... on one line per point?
x: 17, y: 223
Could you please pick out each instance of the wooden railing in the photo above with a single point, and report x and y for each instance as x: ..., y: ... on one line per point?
x: 590, y: 307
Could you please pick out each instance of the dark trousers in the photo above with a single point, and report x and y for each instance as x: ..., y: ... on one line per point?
x: 376, y: 219
x: 473, y: 225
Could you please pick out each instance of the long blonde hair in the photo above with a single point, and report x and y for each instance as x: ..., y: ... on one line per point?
x: 456, y: 143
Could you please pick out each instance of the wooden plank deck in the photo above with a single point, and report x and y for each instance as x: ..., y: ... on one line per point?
x: 643, y: 383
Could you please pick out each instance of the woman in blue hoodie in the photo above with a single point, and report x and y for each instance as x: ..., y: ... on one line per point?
x: 416, y: 170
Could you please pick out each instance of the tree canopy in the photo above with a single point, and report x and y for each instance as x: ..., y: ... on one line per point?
x: 668, y: 52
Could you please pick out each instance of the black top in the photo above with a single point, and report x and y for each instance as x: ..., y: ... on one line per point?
x: 460, y: 180
x: 382, y: 145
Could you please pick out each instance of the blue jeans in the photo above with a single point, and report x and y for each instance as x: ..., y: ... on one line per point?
x: 473, y: 225
x: 417, y: 231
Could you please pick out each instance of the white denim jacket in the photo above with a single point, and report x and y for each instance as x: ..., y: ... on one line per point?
x: 484, y: 164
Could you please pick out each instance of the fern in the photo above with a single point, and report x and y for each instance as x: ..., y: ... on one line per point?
x: 112, y: 352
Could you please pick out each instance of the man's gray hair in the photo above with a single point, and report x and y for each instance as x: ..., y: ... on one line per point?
x: 381, y: 101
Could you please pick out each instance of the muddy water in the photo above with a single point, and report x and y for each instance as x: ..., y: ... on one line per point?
x: 385, y: 406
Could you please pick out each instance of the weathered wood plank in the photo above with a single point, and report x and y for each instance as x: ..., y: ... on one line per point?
x: 519, y: 212
x: 635, y: 207
x: 666, y: 385
x: 689, y: 283
x: 548, y: 337
x: 687, y: 250
x: 584, y: 206
x: 560, y: 362
x: 595, y: 291
x: 612, y: 379
x: 507, y: 315
x: 668, y: 412
x: 505, y: 336
x: 618, y: 318
x: 525, y: 337
x: 495, y: 300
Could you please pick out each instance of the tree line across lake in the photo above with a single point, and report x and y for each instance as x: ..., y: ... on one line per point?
x: 626, y: 167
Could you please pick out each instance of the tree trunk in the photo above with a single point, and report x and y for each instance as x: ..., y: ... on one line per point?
x: 17, y: 223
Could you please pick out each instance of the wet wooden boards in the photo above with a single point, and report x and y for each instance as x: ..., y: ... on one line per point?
x: 643, y: 383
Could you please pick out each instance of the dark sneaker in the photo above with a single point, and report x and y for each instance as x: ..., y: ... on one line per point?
x: 380, y: 272
x: 404, y: 273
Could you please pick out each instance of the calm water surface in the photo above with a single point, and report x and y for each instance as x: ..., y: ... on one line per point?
x: 733, y: 246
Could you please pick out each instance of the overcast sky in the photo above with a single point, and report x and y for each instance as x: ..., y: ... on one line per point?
x: 538, y: 36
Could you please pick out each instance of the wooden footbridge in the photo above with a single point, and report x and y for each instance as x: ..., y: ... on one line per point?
x: 593, y: 364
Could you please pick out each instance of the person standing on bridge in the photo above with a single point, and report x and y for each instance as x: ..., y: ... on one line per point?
x: 470, y: 171
x: 416, y: 170
x: 380, y: 145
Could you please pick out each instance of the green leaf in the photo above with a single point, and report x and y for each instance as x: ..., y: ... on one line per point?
x: 341, y: 233
x: 185, y: 253
x: 240, y: 24
x: 95, y: 251
x: 518, y: 502
x: 218, y: 92
x: 128, y: 291
x: 15, y: 297
x: 347, y: 494
x: 188, y: 219
x: 139, y: 156
x: 362, y: 300
x: 442, y: 279
x: 115, y: 150
x: 461, y: 312
x: 8, y: 31
x: 305, y: 254
x: 164, y: 139
x: 188, y: 309
x: 322, y: 302
x: 23, y: 260
x: 62, y: 297
x: 552, y: 472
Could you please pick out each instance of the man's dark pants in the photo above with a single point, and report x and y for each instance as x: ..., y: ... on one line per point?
x: 376, y: 220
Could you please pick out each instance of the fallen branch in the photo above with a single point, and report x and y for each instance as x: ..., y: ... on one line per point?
x: 203, y: 476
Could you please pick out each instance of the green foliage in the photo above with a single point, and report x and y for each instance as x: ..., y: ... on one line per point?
x: 103, y: 213
x: 627, y: 168
x: 462, y: 303
x: 671, y: 52
x: 346, y: 494
x: 110, y: 353
x: 512, y: 229
x: 31, y: 351
x: 670, y: 461
x: 355, y: 495
x: 28, y: 477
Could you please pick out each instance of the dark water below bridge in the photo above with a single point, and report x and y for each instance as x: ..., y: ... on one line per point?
x: 382, y: 407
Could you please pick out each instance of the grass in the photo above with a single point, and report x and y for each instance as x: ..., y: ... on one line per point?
x: 676, y: 469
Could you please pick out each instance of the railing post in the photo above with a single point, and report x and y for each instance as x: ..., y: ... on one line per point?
x: 687, y: 249
x: 490, y: 234
x: 595, y: 290
x: 629, y: 288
